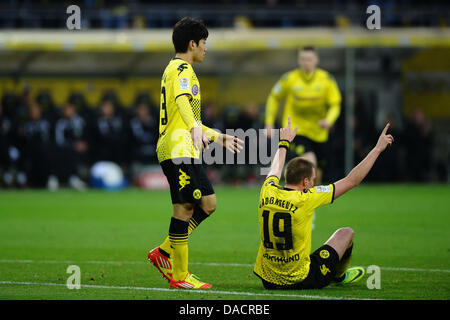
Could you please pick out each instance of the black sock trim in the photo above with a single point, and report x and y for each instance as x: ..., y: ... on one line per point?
x: 347, y: 253
x: 178, y: 227
x: 164, y: 253
x: 340, y: 279
x: 199, y: 215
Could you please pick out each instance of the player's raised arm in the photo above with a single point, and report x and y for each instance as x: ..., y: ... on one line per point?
x: 359, y: 172
x: 286, y: 137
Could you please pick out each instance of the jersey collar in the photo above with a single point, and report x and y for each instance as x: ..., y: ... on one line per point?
x: 307, y: 78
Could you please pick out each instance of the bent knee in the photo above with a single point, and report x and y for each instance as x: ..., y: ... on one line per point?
x: 209, y: 209
x: 346, y: 232
x: 210, y: 205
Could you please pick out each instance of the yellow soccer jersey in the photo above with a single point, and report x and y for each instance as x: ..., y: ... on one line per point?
x: 309, y: 98
x: 285, y: 219
x: 175, y: 140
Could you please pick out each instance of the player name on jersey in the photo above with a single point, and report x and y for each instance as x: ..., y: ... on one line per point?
x: 278, y: 202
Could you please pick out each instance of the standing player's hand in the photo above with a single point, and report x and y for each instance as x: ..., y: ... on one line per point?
x: 199, y: 139
x: 323, y: 123
x: 384, y: 140
x: 287, y: 133
x: 231, y: 143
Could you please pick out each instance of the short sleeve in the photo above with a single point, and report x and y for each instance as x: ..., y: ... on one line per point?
x: 319, y: 196
x: 271, y: 180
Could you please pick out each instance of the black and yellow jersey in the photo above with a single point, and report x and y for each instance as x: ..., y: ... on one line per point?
x: 308, y: 99
x: 285, y: 218
x: 175, y: 140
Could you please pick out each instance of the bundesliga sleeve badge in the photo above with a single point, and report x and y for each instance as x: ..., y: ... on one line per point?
x: 184, y: 83
x: 195, y: 90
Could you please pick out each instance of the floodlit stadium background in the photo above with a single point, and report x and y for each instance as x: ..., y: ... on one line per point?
x: 400, y: 73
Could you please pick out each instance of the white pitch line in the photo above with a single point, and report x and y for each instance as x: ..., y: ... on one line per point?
x: 212, y: 264
x: 235, y: 293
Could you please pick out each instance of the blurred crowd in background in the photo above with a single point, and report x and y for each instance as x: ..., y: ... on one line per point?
x: 141, y: 14
x: 47, y: 146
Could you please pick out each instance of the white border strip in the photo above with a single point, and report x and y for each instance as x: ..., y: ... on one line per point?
x: 212, y: 264
x: 234, y: 293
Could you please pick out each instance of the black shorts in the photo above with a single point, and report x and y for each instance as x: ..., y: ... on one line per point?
x: 187, y: 180
x: 322, y: 271
x: 302, y: 144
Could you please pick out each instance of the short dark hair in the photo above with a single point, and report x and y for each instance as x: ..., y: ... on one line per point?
x: 298, y: 169
x: 308, y: 48
x: 185, y: 30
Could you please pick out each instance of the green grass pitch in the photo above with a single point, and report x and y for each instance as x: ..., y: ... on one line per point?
x: 403, y: 229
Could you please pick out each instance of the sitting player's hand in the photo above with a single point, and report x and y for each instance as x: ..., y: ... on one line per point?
x: 231, y: 143
x: 287, y: 133
x: 384, y: 140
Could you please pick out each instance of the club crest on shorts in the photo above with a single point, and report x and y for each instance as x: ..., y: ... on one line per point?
x: 324, y: 254
x: 197, y: 194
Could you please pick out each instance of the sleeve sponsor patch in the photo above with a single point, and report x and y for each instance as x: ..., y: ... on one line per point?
x: 323, y: 189
x: 184, y: 84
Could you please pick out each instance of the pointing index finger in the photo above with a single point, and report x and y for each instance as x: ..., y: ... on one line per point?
x: 386, y: 128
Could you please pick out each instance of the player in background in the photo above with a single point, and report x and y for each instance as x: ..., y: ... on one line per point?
x: 313, y: 101
x: 285, y: 216
x: 181, y: 139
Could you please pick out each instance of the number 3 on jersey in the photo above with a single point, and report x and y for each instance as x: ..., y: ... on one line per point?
x: 163, y: 107
x: 278, y: 219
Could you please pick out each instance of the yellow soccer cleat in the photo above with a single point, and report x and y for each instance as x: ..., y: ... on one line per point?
x: 352, y: 275
x: 190, y: 282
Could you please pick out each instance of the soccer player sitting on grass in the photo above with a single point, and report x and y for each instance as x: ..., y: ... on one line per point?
x: 285, y: 217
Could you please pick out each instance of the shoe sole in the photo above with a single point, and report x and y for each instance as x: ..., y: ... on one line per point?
x: 189, y: 288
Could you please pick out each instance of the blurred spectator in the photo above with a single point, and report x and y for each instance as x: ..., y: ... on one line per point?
x: 251, y: 118
x: 108, y: 135
x: 71, y: 148
x: 5, y: 138
x: 35, y: 162
x: 390, y: 166
x: 210, y: 117
x: 83, y: 110
x: 419, y: 146
x: 45, y: 101
x: 143, y: 136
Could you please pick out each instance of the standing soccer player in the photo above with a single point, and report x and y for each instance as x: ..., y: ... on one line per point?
x: 313, y: 101
x: 181, y: 139
x: 285, y: 216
